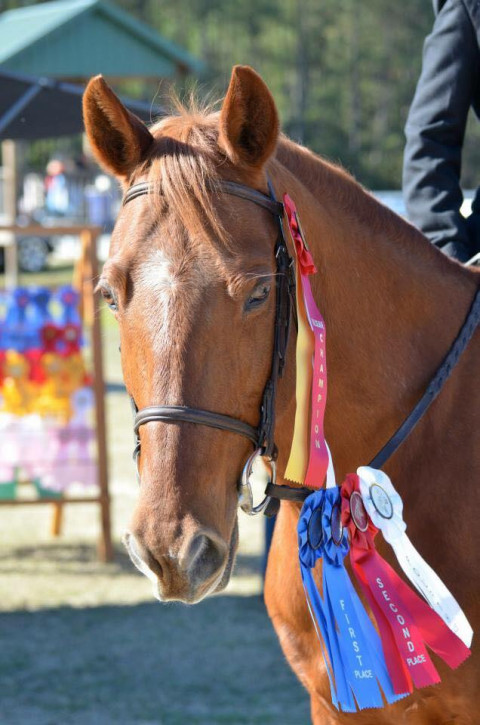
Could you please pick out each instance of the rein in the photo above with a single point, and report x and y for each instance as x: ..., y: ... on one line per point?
x: 263, y: 436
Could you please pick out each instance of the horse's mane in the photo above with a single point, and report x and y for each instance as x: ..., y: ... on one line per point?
x: 185, y: 161
x: 360, y: 212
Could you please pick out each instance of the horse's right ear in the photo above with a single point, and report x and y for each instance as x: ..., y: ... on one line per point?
x: 119, y: 140
x: 248, y: 125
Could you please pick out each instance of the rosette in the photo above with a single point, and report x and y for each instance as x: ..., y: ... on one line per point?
x: 406, y: 623
x: 50, y: 335
x: 357, y: 669
x: 310, y: 537
x: 385, y: 506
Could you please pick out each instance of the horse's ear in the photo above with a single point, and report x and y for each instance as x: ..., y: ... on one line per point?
x: 248, y: 119
x: 119, y: 139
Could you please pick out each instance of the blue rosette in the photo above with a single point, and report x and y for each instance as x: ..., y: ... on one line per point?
x: 309, y: 552
x: 356, y: 666
x: 16, y: 329
x: 39, y: 313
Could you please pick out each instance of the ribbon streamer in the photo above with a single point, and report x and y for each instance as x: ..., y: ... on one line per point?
x: 406, y: 623
x: 297, y: 465
x: 311, y: 384
x: 356, y: 667
x: 308, y: 556
x: 377, y: 489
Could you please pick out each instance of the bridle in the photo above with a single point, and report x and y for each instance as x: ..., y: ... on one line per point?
x: 261, y: 436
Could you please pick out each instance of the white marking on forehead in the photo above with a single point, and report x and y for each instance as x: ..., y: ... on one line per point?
x: 157, y: 272
x: 157, y: 279
x: 162, y: 278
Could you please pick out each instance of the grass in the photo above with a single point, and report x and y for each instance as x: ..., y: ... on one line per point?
x: 84, y: 643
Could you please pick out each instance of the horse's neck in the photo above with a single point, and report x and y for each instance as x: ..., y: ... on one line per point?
x: 392, y: 305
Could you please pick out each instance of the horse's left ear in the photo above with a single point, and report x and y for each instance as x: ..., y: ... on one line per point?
x: 119, y: 140
x: 248, y: 119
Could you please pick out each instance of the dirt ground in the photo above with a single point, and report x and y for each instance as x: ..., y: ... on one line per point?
x: 83, y: 643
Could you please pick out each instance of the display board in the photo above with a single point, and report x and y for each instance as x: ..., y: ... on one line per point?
x: 52, y: 415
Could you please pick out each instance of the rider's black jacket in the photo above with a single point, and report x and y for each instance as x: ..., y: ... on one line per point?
x: 448, y: 86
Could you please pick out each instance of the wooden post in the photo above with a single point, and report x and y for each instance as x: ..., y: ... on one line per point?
x: 89, y: 246
x: 57, y: 519
x: 10, y: 158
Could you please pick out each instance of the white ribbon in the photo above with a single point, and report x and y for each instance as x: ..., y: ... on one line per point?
x: 373, y: 485
x: 331, y: 482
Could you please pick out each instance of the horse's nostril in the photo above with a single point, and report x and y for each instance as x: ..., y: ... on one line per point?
x: 195, y: 551
x: 204, y: 557
x: 142, y: 558
x: 197, y: 567
x: 155, y: 566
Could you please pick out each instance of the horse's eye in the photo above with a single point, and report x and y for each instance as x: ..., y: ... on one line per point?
x: 109, y: 296
x: 258, y: 296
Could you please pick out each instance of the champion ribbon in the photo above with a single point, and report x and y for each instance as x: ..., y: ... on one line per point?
x: 376, y: 489
x: 357, y: 670
x: 406, y: 623
x: 308, y: 461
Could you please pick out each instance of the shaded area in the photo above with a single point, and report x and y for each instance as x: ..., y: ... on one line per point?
x: 84, y: 643
x: 33, y: 108
x: 76, y: 560
x: 80, y: 559
x: 218, y: 662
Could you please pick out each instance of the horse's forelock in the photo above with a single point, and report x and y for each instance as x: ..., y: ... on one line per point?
x: 182, y: 168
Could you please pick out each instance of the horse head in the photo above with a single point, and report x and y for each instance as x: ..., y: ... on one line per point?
x: 190, y: 279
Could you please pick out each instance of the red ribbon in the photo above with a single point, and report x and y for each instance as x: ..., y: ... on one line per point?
x: 50, y: 334
x: 304, y: 257
x: 71, y: 338
x: 406, y: 623
x: 37, y: 372
x: 65, y: 340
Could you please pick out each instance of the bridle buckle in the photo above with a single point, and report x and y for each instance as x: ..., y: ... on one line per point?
x: 245, y: 498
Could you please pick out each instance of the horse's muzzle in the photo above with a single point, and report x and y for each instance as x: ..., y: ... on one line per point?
x: 187, y: 576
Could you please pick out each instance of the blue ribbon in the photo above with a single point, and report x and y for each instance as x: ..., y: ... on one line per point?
x: 356, y: 666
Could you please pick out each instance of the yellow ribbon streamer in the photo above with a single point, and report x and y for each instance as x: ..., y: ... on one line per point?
x: 299, y: 453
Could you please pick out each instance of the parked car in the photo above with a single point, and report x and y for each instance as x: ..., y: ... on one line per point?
x: 32, y: 251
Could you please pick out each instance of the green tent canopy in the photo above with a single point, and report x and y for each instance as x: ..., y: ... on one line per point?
x: 76, y: 39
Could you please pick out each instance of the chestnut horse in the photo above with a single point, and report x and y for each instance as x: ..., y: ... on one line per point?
x: 189, y: 279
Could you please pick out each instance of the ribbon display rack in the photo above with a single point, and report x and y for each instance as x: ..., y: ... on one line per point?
x: 52, y: 416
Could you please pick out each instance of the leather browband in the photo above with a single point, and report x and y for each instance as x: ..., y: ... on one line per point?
x: 222, y: 186
x: 245, y: 192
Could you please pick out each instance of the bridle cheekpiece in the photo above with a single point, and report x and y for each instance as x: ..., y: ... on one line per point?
x: 262, y: 436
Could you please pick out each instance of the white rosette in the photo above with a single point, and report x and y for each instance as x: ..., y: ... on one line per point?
x: 385, y: 507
